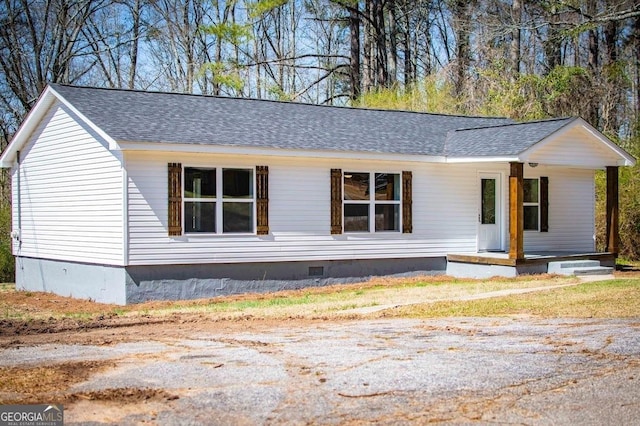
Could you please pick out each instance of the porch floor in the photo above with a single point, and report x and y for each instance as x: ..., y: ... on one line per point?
x: 530, y: 259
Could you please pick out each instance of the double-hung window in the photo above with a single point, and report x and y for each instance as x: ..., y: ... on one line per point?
x: 371, y: 202
x: 218, y: 200
x: 531, y: 204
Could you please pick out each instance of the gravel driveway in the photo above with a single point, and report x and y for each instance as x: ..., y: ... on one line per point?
x: 460, y: 370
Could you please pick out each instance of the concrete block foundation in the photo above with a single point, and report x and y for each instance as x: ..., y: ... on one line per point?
x: 134, y: 284
x: 101, y: 283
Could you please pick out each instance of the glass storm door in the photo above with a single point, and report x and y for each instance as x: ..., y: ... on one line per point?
x: 489, y: 227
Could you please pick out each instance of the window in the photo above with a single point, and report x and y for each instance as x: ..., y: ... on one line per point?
x: 218, y: 200
x: 488, y: 202
x: 531, y: 204
x: 371, y: 202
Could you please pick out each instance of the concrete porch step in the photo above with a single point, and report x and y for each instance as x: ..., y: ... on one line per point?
x: 599, y: 270
x: 579, y: 267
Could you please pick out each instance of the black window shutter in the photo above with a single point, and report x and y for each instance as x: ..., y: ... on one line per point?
x: 544, y: 204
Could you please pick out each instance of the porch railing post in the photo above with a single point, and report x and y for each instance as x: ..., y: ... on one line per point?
x: 613, y: 239
x: 516, y: 211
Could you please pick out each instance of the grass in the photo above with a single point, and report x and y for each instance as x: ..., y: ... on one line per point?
x: 5, y: 287
x: 320, y: 303
x: 603, y: 299
x: 627, y: 263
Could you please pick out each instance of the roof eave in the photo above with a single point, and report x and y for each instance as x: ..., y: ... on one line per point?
x: 275, y: 152
x: 484, y: 159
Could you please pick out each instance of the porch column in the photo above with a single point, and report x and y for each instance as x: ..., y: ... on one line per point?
x: 516, y: 211
x: 612, y: 242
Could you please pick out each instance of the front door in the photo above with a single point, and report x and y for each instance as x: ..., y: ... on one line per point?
x: 489, y: 227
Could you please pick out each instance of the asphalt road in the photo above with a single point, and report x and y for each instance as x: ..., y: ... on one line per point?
x: 460, y: 370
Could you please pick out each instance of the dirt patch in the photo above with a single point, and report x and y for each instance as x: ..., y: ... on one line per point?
x: 32, y: 385
x: 123, y: 395
x: 40, y: 304
x: 9, y: 327
x: 120, y: 330
x: 627, y: 271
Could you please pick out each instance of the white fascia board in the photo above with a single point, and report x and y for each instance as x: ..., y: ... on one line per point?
x: 275, y: 152
x: 483, y: 159
x: 29, y: 124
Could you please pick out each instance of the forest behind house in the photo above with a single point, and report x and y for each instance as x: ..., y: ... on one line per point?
x: 522, y: 59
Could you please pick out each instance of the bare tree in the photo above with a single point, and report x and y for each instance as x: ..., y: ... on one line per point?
x: 514, y: 51
x: 461, y: 15
x: 176, y: 48
x: 41, y: 42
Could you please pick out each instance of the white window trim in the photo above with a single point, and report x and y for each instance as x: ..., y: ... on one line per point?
x: 536, y: 204
x: 220, y: 200
x: 372, y: 202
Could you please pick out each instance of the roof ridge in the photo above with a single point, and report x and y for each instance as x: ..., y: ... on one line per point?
x: 161, y: 92
x: 546, y: 120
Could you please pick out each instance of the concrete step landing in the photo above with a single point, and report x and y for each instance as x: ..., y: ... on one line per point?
x: 579, y: 267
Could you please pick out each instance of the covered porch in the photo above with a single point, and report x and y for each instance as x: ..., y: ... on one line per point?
x: 553, y: 210
x: 516, y: 254
x: 514, y: 260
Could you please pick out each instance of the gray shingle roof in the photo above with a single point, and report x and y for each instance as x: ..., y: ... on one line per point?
x: 504, y: 140
x: 137, y: 116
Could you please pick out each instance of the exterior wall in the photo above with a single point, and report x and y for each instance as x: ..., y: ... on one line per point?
x: 571, y: 211
x: 100, y: 283
x: 71, y: 194
x: 445, y: 208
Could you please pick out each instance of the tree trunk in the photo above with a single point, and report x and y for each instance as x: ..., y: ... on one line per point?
x: 382, y: 70
x: 367, y: 80
x: 354, y: 59
x: 461, y: 11
x: 637, y: 60
x: 135, y: 37
x: 553, y: 43
x: 514, y: 51
x: 610, y: 38
x: 409, y: 76
x: 393, y: 43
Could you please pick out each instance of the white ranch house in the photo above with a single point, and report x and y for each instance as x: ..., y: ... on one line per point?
x: 124, y: 196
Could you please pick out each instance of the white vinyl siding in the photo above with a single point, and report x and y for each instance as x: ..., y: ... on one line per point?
x: 445, y: 212
x: 574, y: 148
x: 571, y: 211
x: 71, y: 201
